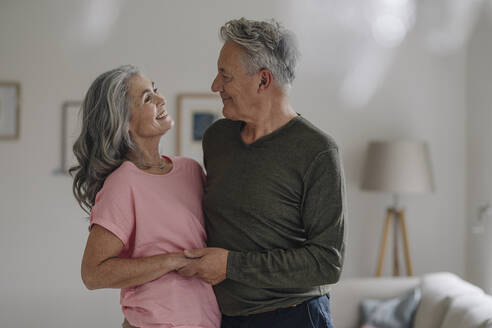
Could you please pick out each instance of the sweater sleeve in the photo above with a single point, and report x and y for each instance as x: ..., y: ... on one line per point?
x: 319, y: 261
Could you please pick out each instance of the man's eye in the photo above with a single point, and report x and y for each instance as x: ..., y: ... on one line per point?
x: 156, y: 90
x: 148, y: 99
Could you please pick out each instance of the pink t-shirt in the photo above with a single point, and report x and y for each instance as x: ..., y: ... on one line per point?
x: 155, y: 214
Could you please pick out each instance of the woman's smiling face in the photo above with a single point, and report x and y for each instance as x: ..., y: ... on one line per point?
x: 148, y: 114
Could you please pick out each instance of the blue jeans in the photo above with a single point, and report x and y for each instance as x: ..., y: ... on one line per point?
x: 314, y: 313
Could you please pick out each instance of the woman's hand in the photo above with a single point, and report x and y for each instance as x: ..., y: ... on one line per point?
x: 177, y: 260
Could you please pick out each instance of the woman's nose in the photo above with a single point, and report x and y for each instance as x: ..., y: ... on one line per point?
x: 159, y: 100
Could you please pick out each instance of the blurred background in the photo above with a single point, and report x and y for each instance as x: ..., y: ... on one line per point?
x: 370, y: 70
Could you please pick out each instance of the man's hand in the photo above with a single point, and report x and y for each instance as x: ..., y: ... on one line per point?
x: 209, y: 264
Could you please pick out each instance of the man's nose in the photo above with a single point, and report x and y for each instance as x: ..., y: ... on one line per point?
x: 216, y: 86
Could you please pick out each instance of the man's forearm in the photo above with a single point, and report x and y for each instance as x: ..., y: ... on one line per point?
x: 295, y: 268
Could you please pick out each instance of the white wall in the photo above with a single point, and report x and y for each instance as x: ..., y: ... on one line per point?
x: 43, y: 46
x: 479, y: 131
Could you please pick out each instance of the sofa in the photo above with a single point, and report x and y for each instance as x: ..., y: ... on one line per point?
x: 445, y: 300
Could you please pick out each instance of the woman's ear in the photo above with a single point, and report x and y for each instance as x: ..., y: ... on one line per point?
x: 130, y: 128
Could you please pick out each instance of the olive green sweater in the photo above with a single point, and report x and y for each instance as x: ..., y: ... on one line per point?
x: 278, y: 206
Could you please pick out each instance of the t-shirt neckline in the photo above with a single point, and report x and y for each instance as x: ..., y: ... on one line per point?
x: 135, y: 168
x: 270, y: 135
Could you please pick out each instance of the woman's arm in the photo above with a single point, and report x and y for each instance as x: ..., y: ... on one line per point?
x: 102, y: 268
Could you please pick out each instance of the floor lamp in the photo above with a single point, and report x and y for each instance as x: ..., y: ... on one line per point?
x: 397, y: 167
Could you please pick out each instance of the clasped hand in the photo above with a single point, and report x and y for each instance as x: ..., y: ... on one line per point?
x: 209, y: 264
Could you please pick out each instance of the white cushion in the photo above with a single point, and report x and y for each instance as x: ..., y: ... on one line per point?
x: 347, y: 295
x: 438, y: 289
x: 470, y: 311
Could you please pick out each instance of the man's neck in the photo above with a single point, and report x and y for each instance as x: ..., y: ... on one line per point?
x: 273, y: 117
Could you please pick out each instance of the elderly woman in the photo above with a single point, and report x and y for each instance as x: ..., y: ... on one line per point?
x: 145, y: 209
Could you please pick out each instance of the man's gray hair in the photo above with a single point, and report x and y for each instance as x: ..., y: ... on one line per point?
x: 267, y: 44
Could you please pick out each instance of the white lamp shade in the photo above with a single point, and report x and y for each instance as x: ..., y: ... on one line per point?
x: 398, y: 167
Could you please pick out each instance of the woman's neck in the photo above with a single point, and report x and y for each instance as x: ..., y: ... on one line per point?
x: 149, y: 157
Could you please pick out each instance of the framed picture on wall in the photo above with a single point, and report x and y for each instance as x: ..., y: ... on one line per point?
x: 196, y: 112
x: 70, y: 130
x: 9, y: 110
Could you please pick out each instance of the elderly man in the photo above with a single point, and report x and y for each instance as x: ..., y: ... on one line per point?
x: 275, y: 197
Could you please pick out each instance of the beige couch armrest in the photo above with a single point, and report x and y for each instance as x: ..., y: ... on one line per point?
x: 347, y: 295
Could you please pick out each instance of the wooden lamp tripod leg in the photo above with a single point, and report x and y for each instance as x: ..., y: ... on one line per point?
x: 396, y: 230
x: 401, y: 218
x: 389, y: 214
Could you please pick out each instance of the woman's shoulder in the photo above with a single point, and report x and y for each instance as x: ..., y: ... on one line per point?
x: 117, y: 187
x: 185, y: 162
x: 122, y: 177
x: 189, y: 170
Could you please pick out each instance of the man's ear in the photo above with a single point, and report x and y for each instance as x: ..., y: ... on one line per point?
x: 266, y: 80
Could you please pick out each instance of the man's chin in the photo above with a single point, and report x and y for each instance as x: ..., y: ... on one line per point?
x: 227, y: 113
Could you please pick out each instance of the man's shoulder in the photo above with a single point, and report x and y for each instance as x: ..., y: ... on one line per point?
x: 223, y: 123
x: 220, y: 127
x: 314, y: 136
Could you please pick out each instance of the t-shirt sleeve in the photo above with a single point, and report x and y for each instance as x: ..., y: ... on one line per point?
x: 114, y: 209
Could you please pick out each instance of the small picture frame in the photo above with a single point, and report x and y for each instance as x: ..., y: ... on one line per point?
x: 70, y: 130
x: 196, y: 112
x: 9, y: 110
